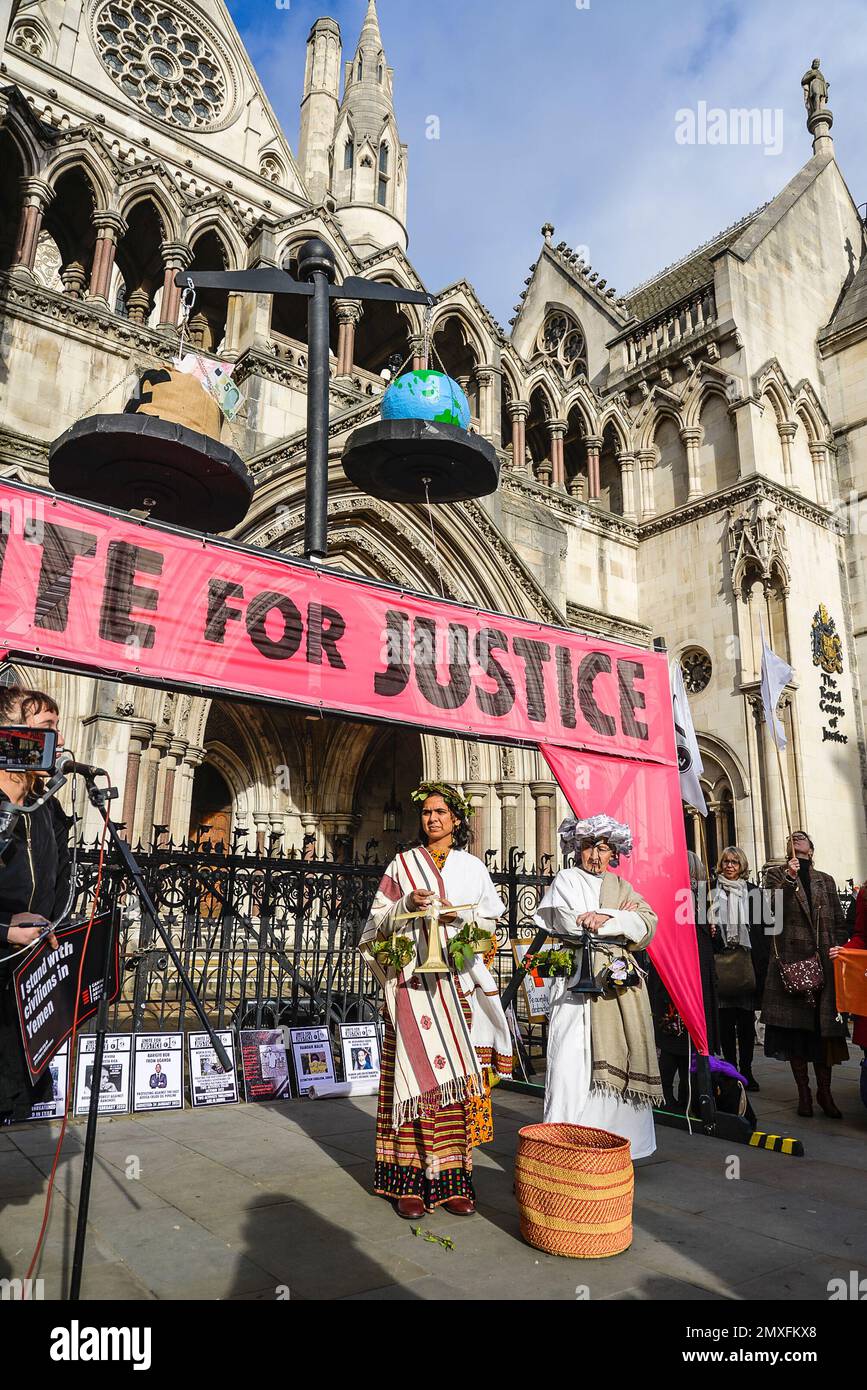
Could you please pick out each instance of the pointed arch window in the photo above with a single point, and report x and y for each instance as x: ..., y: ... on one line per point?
x: 349, y: 154
x: 379, y: 73
x: 360, y: 69
x: 382, y: 185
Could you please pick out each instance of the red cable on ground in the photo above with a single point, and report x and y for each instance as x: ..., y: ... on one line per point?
x: 70, y: 1087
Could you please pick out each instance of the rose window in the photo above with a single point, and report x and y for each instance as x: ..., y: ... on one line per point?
x: 697, y: 670
x: 159, y: 59
x: 562, y: 341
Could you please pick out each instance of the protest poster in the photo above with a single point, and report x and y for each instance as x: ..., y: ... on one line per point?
x: 158, y: 1071
x: 537, y: 991
x: 54, y: 1106
x: 45, y: 988
x: 114, y: 1074
x: 312, y: 1057
x: 359, y: 1044
x: 264, y: 1064
x: 209, y: 1083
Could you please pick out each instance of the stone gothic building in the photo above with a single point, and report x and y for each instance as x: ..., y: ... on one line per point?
x: 686, y: 461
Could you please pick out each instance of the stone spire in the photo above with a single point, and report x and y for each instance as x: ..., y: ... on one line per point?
x: 369, y: 162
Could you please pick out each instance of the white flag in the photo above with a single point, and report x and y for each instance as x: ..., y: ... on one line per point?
x: 689, y: 760
x: 776, y: 674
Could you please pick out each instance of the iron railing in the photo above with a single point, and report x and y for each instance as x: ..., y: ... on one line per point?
x: 268, y: 940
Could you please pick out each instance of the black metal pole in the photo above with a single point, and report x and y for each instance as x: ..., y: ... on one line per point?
x: 316, y: 263
x: 92, y: 1116
x: 100, y: 798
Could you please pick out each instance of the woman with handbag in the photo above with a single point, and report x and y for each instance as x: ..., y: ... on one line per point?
x: 740, y: 945
x: 799, y: 1008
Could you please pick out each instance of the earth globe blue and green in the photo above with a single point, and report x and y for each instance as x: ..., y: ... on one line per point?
x: 425, y: 395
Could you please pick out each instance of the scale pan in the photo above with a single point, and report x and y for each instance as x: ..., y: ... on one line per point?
x: 391, y: 458
x: 123, y: 460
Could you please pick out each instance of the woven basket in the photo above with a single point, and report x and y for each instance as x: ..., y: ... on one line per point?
x: 574, y: 1188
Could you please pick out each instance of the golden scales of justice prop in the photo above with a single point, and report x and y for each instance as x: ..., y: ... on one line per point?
x: 435, y: 963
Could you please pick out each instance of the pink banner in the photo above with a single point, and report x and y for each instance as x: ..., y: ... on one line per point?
x: 95, y: 590
x: 647, y: 797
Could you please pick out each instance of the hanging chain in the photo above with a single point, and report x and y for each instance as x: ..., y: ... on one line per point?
x: 188, y: 303
x: 427, y: 334
x: 426, y: 482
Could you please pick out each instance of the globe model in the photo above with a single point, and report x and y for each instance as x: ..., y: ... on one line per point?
x: 426, y: 396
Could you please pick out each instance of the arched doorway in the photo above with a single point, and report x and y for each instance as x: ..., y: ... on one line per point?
x: 390, y: 770
x: 211, y: 810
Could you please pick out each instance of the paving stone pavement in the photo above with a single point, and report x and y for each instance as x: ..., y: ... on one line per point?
x: 272, y: 1202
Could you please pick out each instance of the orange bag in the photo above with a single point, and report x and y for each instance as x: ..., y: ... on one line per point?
x: 850, y: 980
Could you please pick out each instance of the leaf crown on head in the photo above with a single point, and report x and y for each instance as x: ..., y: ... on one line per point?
x: 457, y: 804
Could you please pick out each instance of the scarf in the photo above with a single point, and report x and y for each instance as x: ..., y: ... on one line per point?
x: 438, y: 1055
x: 729, y: 911
x: 625, y: 1063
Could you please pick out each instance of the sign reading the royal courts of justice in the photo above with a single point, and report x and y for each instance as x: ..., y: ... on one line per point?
x: 828, y: 654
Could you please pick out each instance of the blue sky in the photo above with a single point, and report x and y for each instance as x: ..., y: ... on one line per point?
x: 552, y: 110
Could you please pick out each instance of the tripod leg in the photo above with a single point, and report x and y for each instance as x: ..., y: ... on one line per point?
x: 92, y: 1117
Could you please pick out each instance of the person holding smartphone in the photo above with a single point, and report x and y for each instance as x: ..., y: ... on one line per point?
x: 34, y: 884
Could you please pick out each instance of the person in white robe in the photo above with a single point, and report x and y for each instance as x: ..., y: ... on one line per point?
x: 602, y: 1069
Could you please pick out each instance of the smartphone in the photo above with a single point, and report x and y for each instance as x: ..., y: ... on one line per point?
x: 23, y: 749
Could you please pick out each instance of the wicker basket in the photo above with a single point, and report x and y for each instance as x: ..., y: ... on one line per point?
x: 574, y: 1188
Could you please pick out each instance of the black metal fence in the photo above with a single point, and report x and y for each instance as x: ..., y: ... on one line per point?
x: 267, y: 940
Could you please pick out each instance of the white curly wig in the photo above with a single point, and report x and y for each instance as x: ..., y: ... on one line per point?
x: 573, y: 831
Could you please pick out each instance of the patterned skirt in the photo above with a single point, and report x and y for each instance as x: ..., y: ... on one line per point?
x: 430, y: 1157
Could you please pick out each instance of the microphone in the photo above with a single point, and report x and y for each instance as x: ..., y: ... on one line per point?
x: 65, y: 763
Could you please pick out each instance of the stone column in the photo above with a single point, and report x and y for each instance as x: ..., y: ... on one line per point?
x: 176, y: 256
x: 139, y: 736
x: 691, y: 437
x: 419, y: 354
x: 544, y: 798
x: 348, y: 312
x: 182, y: 805
x: 646, y: 463
x: 557, y: 433
x: 151, y: 763
x: 627, y: 484
x: 110, y: 228
x: 37, y: 194
x: 518, y: 413
x: 508, y: 792
x: 593, y: 444
x: 477, y: 793
x: 487, y: 376
x: 170, y: 813
x: 138, y: 307
x: 821, y: 473
x: 464, y: 382
x: 787, y: 431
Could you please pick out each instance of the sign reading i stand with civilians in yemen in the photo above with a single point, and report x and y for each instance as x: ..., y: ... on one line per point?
x: 94, y: 590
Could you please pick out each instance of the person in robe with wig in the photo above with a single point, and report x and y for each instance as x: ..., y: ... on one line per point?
x: 602, y: 1066
x: 444, y: 1033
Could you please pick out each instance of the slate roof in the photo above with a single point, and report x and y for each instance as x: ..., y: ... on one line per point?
x: 852, y: 308
x: 684, y: 275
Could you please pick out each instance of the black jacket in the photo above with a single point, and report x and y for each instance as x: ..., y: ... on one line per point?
x: 34, y: 873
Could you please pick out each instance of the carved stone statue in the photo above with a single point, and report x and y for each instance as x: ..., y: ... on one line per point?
x: 815, y: 89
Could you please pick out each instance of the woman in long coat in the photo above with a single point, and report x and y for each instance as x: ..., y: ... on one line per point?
x: 738, y: 916
x: 803, y: 1028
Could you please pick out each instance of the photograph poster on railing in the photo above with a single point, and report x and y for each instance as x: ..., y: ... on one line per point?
x: 209, y: 1083
x: 265, y: 1064
x: 359, y: 1043
x: 158, y: 1071
x: 114, y: 1074
x: 312, y: 1058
